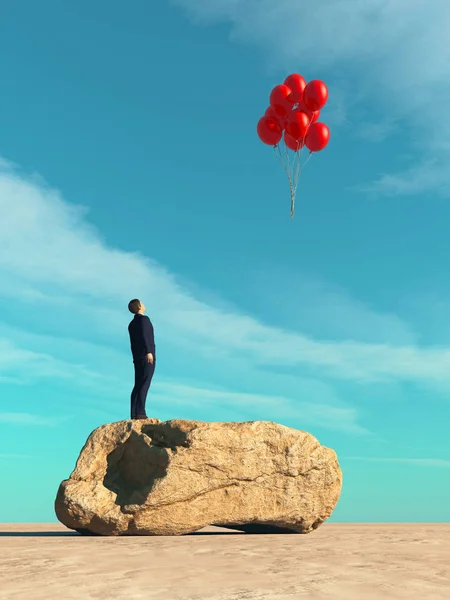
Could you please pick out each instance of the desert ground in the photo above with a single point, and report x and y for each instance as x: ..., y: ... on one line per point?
x: 338, y: 561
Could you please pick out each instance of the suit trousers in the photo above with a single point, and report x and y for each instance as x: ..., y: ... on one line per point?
x: 143, y: 373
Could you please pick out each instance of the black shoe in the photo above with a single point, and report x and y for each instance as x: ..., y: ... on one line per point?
x: 141, y: 417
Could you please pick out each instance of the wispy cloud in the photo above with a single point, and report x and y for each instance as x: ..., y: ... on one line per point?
x: 29, y: 419
x: 420, y: 178
x: 251, y: 406
x: 419, y: 462
x: 58, y: 249
x: 393, y: 56
x: 325, y: 310
x: 375, y: 132
x: 42, y: 365
x: 112, y: 385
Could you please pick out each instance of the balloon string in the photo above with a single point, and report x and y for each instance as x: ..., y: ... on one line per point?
x: 298, y: 170
x: 286, y: 167
x: 294, y: 183
x: 293, y: 171
x: 304, y: 165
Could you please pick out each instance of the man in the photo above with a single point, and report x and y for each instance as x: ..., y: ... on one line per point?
x: 144, y: 358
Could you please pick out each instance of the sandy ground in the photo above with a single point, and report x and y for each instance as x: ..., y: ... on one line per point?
x: 338, y: 561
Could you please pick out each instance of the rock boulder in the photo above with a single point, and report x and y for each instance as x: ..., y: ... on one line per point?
x: 172, y: 478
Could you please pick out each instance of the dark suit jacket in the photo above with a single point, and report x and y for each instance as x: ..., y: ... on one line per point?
x: 141, y: 337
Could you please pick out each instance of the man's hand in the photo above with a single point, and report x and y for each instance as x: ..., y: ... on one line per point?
x: 150, y: 358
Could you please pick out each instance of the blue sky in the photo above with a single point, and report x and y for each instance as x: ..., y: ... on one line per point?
x: 131, y: 168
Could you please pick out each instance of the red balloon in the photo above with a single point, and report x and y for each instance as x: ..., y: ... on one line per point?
x: 297, y: 125
x: 317, y: 137
x: 282, y: 99
x: 315, y: 94
x: 269, y: 131
x: 313, y: 115
x: 297, y: 84
x: 292, y: 144
x: 273, y: 115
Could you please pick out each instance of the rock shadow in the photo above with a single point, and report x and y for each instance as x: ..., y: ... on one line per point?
x: 37, y: 533
x: 133, y: 469
x: 258, y: 528
x: 167, y: 435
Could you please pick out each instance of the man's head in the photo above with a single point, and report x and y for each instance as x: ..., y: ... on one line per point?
x: 136, y: 307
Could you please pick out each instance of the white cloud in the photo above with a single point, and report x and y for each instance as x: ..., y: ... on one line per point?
x: 30, y: 419
x: 325, y: 310
x: 52, y: 260
x: 111, y: 387
x: 420, y: 178
x: 42, y: 365
x: 375, y: 132
x: 46, y: 243
x: 393, y: 55
x: 251, y: 406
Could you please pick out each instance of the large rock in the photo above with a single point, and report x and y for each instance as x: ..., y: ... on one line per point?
x: 172, y: 478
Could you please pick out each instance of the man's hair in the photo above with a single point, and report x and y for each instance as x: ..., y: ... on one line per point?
x: 134, y: 306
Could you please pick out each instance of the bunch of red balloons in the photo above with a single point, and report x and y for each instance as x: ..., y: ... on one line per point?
x: 293, y: 114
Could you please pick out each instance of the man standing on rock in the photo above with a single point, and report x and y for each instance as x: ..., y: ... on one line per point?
x: 144, y: 358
